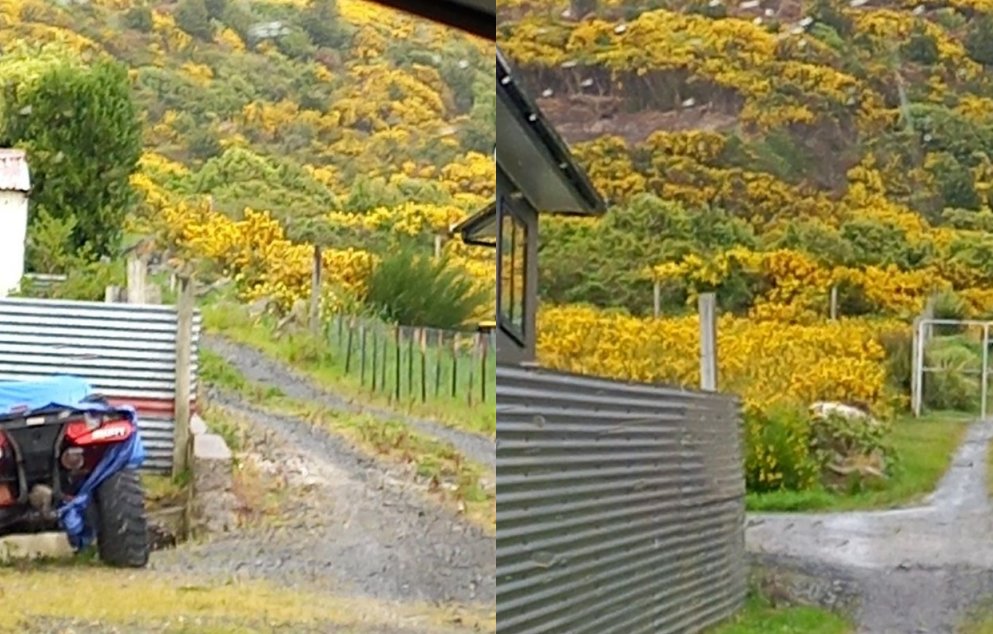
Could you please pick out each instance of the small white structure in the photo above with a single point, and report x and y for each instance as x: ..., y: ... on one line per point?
x: 15, y: 185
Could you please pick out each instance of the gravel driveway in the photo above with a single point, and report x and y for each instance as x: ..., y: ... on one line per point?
x: 348, y: 523
x: 259, y: 368
x: 913, y: 570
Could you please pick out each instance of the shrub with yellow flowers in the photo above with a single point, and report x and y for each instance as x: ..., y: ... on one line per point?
x: 259, y: 257
x: 777, y: 368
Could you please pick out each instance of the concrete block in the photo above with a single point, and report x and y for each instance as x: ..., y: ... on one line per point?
x: 52, y: 545
x: 197, y: 425
x: 210, y: 447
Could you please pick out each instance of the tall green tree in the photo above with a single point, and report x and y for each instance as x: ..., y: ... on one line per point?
x: 82, y: 134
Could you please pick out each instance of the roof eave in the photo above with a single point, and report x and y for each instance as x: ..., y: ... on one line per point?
x: 543, y: 135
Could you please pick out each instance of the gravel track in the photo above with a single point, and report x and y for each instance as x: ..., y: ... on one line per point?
x: 916, y: 569
x: 349, y: 524
x: 259, y: 368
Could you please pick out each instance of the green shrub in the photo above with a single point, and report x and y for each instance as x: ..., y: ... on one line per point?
x: 949, y: 305
x: 414, y: 289
x: 854, y: 444
x: 899, y: 347
x: 951, y: 386
x: 778, y: 450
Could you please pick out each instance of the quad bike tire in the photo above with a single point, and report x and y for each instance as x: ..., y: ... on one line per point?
x: 121, y: 525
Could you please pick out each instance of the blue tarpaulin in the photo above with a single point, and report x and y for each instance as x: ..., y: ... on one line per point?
x: 17, y: 397
x: 70, y: 392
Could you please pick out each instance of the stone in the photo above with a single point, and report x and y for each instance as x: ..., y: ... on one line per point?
x: 824, y: 409
x: 214, y: 501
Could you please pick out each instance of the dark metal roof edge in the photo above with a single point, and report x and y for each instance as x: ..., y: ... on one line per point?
x: 547, y: 137
x: 468, y: 226
x: 481, y: 23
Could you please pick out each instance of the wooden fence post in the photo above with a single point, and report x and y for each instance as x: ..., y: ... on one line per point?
x: 137, y: 273
x: 834, y: 303
x: 315, y: 293
x: 657, y: 299
x: 708, y: 341
x: 398, y: 339
x: 437, y: 363
x: 483, y: 339
x: 362, y: 337
x: 184, y: 363
x: 424, y: 368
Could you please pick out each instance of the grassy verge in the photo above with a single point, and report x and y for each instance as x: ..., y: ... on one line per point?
x: 43, y: 594
x: 925, y: 447
x: 979, y: 620
x: 322, y: 363
x: 457, y: 482
x: 164, y: 491
x: 759, y: 616
x: 260, y: 498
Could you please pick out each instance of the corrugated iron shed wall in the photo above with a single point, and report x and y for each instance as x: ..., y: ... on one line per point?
x: 127, y: 352
x: 620, y: 508
x: 14, y: 174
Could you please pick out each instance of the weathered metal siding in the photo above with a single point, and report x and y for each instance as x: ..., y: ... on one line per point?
x: 620, y: 508
x: 127, y: 352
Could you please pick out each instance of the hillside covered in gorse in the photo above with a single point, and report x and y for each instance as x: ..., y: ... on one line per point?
x: 769, y: 151
x: 262, y: 120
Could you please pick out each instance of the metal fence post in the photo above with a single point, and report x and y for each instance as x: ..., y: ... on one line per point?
x: 917, y: 382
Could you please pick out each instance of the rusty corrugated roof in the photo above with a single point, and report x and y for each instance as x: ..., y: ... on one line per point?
x: 14, y: 175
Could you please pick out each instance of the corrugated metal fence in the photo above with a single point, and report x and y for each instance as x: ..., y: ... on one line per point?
x: 127, y: 352
x: 620, y: 507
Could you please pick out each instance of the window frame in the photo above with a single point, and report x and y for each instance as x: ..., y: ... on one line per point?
x: 516, y: 331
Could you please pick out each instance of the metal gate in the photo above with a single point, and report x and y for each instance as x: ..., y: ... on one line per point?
x: 923, y: 335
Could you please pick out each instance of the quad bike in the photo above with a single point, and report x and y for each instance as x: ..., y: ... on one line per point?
x: 68, y: 460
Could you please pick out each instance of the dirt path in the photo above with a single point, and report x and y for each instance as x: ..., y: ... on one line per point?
x: 259, y: 368
x: 917, y: 569
x: 348, y: 523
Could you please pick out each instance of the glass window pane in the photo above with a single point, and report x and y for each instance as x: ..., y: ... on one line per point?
x: 513, y: 260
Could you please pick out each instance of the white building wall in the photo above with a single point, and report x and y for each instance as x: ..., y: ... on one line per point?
x: 13, y: 233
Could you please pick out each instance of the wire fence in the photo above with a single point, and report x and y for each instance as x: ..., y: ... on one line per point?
x: 416, y: 364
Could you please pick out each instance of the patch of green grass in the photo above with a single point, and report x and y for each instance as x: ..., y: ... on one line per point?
x: 323, y: 361
x: 925, y: 448
x: 760, y: 617
x: 979, y: 620
x: 162, y: 491
x: 457, y: 481
x: 222, y: 423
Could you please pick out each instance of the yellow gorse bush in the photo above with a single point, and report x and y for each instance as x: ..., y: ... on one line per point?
x: 796, y: 286
x: 259, y: 257
x: 766, y: 362
x: 776, y: 363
